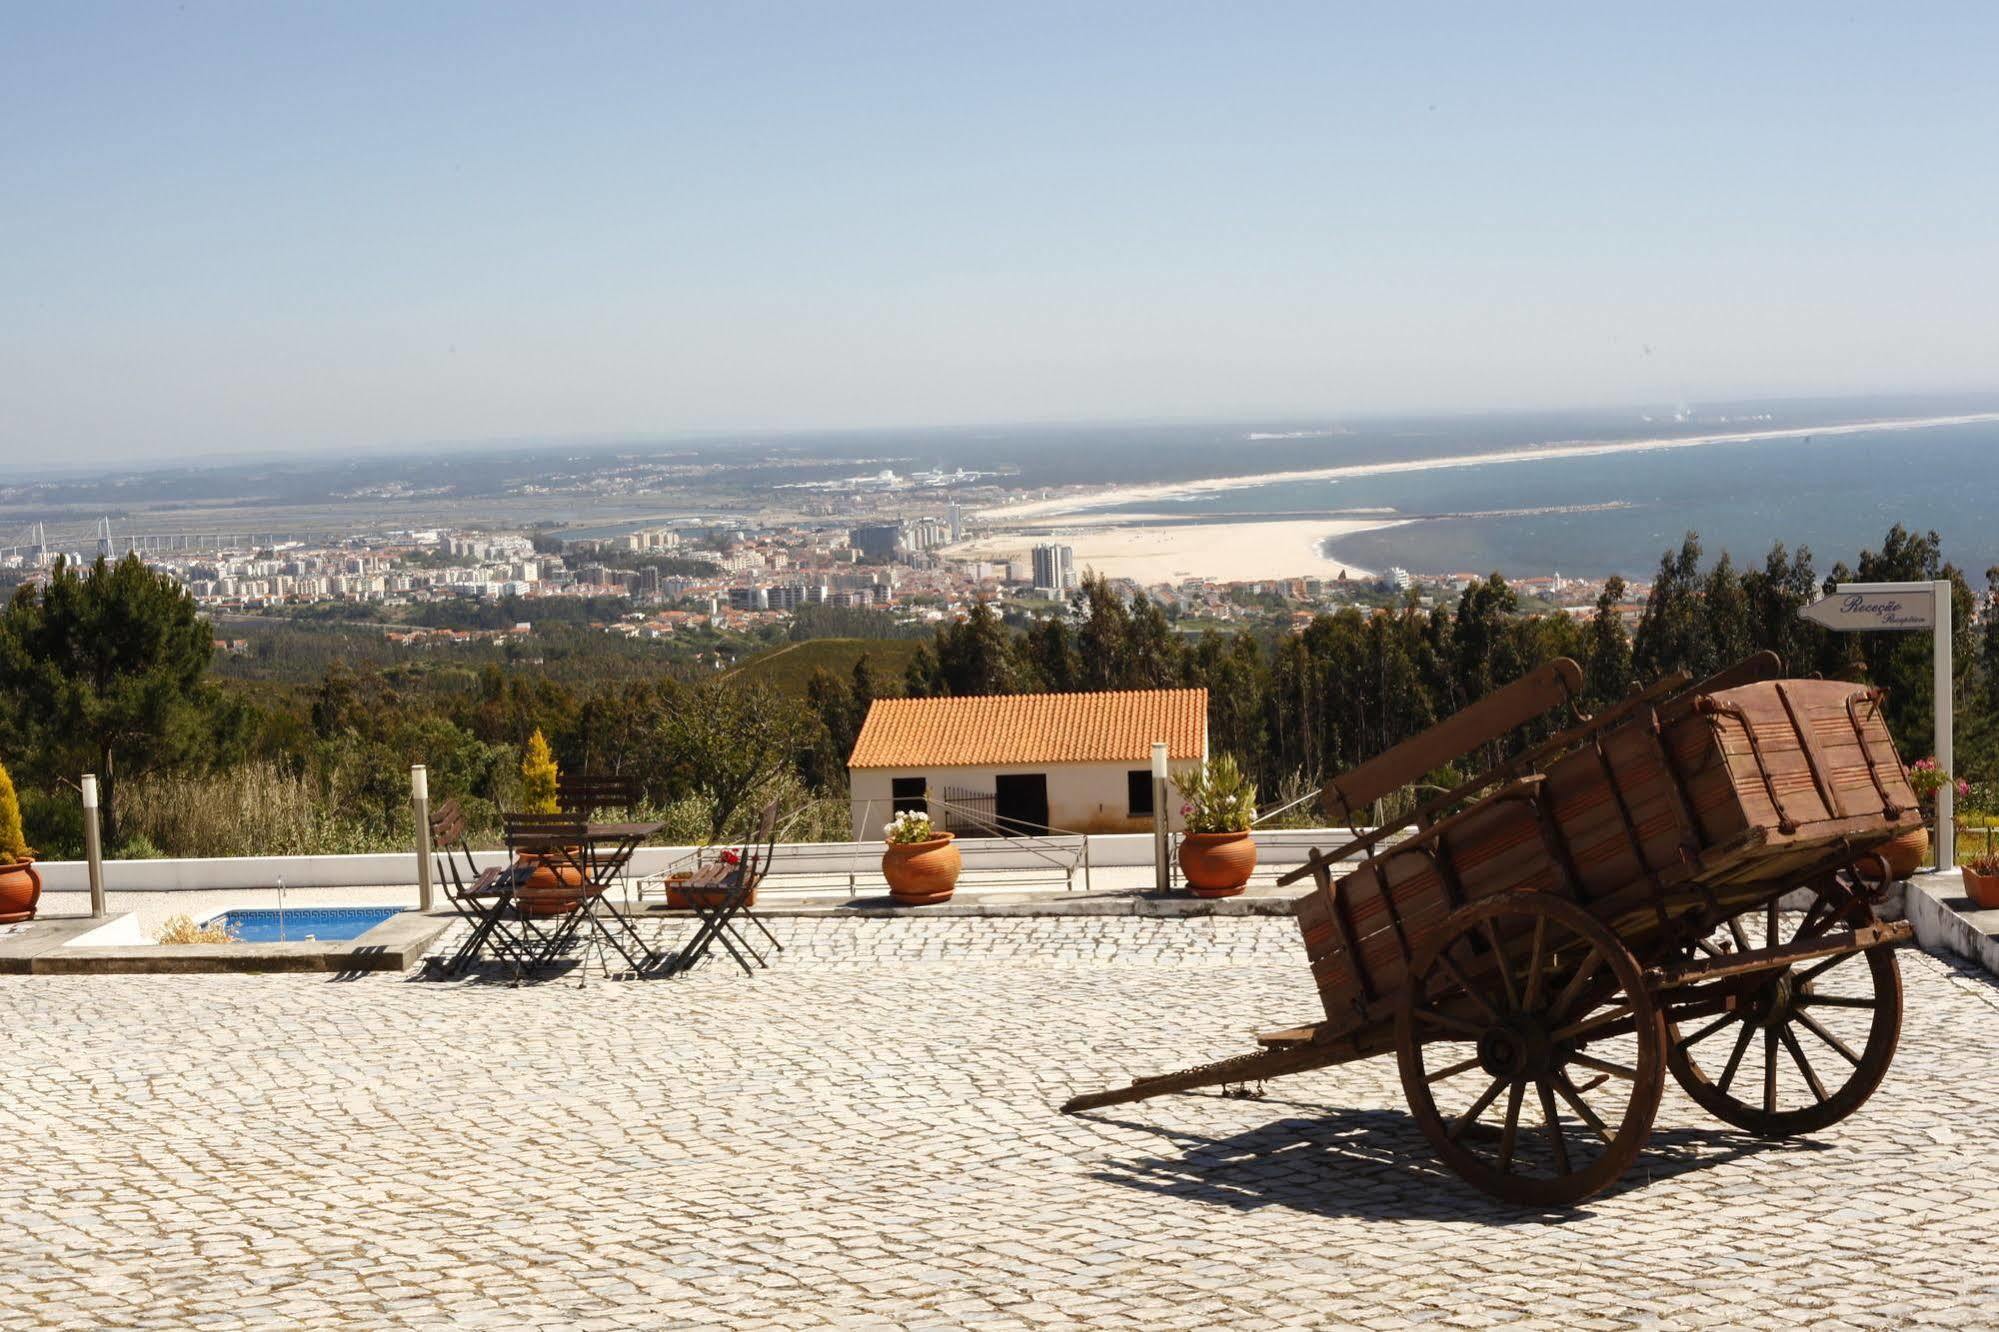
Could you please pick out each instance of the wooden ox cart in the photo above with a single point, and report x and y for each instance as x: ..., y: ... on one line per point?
x: 1560, y: 933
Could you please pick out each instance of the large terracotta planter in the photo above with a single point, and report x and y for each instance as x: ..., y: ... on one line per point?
x: 20, y: 889
x: 1906, y: 854
x: 1217, y: 864
x: 920, y: 873
x: 549, y: 874
x: 1982, y: 889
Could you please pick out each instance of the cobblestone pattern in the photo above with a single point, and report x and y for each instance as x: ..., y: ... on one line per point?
x: 865, y: 1136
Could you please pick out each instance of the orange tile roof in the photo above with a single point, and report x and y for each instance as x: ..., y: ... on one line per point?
x: 1112, y: 727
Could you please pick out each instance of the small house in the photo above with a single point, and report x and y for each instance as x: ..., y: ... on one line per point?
x: 1022, y: 763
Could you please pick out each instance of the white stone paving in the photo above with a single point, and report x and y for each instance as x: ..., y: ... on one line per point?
x: 866, y: 1136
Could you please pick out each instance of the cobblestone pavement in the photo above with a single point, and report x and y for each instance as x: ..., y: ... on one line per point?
x: 865, y: 1136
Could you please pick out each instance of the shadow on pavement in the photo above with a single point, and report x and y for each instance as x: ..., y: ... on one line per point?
x: 1376, y: 1164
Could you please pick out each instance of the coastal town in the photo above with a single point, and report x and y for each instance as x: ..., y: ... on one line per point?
x: 652, y: 579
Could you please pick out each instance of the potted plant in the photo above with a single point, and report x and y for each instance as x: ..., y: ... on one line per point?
x: 1906, y: 854
x: 921, y: 863
x: 1981, y: 880
x: 1217, y: 852
x: 20, y: 885
x: 552, y: 870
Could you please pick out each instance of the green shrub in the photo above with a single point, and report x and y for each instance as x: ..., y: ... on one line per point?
x: 13, y: 842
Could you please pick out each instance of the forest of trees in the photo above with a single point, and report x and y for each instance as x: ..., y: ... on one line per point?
x: 108, y: 669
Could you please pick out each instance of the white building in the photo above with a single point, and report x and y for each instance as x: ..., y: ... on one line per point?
x: 1024, y: 762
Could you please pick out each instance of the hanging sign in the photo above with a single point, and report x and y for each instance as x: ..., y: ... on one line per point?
x: 1856, y: 610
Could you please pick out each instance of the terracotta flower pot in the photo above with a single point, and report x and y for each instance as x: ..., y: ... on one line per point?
x: 20, y: 889
x: 920, y: 873
x: 1217, y: 864
x: 1982, y: 889
x: 554, y: 872
x: 1906, y: 854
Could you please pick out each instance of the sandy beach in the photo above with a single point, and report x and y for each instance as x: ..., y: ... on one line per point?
x: 1227, y: 552
x: 1083, y: 501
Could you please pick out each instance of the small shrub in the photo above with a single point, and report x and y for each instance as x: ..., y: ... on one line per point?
x: 537, y: 776
x: 1987, y: 864
x: 183, y: 930
x: 13, y: 842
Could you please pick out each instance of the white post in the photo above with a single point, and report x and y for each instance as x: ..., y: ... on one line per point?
x: 420, y: 806
x: 1945, y: 691
x: 93, y: 849
x: 1161, y: 878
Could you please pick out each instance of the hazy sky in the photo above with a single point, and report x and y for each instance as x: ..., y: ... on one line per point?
x: 271, y: 225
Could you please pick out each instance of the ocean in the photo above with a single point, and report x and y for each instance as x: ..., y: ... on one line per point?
x: 1617, y: 513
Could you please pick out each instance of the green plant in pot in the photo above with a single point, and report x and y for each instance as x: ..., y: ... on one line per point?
x: 20, y: 885
x: 1981, y: 880
x: 1218, y: 805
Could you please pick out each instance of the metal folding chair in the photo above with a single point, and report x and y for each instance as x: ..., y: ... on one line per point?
x: 720, y: 895
x: 482, y: 898
x: 590, y: 793
x: 581, y: 865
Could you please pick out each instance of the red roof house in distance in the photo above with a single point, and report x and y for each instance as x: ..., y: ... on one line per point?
x: 1024, y: 762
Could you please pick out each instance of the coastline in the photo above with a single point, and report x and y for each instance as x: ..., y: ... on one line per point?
x: 1082, y: 502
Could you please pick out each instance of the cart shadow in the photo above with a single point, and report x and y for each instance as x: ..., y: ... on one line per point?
x: 1376, y: 1164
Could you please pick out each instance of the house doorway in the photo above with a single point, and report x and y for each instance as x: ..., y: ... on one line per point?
x: 1020, y: 803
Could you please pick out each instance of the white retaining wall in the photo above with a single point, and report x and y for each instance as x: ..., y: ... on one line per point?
x: 1276, y: 848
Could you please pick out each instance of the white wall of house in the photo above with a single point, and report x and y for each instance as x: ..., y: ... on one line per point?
x: 1082, y: 797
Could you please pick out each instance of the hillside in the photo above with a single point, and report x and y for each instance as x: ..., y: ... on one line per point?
x: 787, y: 668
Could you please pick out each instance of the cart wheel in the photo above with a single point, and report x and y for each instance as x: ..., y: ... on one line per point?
x: 1521, y: 997
x: 1805, y: 1022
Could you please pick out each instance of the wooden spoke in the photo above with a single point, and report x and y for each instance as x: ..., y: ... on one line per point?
x: 1535, y: 966
x: 1581, y: 1107
x: 1455, y: 1069
x: 1770, y: 1070
x: 1505, y: 971
x: 1817, y: 1028
x: 1836, y: 1001
x: 1709, y: 1030
x: 1604, y: 1066
x: 1770, y: 924
x: 1790, y: 1039
x: 1449, y: 1023
x: 1510, y: 1134
x: 1741, y: 939
x: 1451, y: 970
x: 1567, y: 998
x: 1708, y: 947
x: 1610, y: 1017
x: 1735, y: 1059
x: 1558, y: 1144
x: 1817, y: 969
x: 1470, y: 1117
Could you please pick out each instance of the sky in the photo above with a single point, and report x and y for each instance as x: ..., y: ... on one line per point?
x: 291, y: 227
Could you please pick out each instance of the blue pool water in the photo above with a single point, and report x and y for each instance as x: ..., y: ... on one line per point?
x: 261, y: 924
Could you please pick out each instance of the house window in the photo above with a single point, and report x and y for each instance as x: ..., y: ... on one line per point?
x: 908, y: 793
x: 1138, y: 792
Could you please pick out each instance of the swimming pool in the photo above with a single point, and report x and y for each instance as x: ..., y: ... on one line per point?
x: 297, y: 924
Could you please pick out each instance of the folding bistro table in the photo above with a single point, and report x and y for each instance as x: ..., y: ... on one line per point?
x: 585, y: 858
